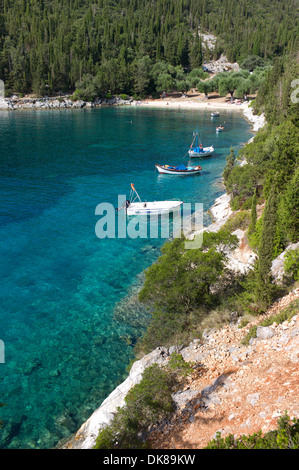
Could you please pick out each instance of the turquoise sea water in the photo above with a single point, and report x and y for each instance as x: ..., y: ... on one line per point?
x: 68, y: 317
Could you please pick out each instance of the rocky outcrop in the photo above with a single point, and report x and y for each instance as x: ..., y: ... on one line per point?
x: 5, y: 104
x: 221, y: 65
x: 243, y: 257
x: 58, y: 103
x: 277, y: 268
x: 237, y: 389
x: 258, y: 121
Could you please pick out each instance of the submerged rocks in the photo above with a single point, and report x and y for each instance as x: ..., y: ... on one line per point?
x: 32, y: 365
x: 86, y: 436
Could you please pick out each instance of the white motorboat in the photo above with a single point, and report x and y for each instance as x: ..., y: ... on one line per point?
x: 143, y: 207
x: 156, y: 207
x: 180, y: 170
x: 215, y: 114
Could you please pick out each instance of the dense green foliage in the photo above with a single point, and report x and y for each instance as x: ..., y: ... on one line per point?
x: 273, y: 156
x: 270, y: 176
x: 186, y: 286
x: 49, y: 46
x: 183, y: 286
x: 285, y: 437
x: 291, y: 264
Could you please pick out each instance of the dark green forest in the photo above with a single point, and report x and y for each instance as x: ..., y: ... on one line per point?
x: 48, y: 46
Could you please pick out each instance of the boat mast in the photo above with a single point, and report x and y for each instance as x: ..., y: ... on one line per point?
x: 134, y: 190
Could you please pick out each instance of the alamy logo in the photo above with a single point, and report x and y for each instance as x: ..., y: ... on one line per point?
x: 2, y: 89
x: 294, y: 97
x: 2, y: 352
x: 115, y: 223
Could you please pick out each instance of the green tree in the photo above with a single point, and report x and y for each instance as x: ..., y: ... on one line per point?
x: 145, y: 403
x: 180, y: 286
x: 204, y: 87
x: 243, y: 89
x: 252, y: 62
x: 196, y: 52
x: 265, y: 253
x: 142, y: 75
x: 253, y: 215
x: 230, y: 164
x: 228, y: 83
x: 290, y: 207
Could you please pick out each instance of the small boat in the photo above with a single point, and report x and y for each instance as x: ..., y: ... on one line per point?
x: 216, y: 114
x: 200, y: 151
x: 144, y: 207
x: 220, y: 129
x: 196, y: 149
x: 180, y: 170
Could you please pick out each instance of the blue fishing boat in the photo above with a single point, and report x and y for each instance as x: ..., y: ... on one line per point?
x: 196, y: 148
x: 179, y: 170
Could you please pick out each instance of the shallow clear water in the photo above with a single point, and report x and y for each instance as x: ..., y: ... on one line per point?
x: 68, y: 316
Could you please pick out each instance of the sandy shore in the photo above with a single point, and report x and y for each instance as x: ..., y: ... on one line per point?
x: 193, y: 102
x: 199, y: 102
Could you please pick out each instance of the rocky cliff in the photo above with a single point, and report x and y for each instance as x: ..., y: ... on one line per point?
x: 237, y: 389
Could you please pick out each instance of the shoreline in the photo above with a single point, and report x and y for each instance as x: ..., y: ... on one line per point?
x: 85, y: 437
x: 191, y: 101
x: 194, y: 102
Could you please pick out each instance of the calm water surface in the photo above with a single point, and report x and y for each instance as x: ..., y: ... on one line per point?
x: 68, y: 315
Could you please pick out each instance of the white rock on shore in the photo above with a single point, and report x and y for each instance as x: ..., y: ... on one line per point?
x: 5, y: 104
x: 55, y: 103
x: 257, y: 121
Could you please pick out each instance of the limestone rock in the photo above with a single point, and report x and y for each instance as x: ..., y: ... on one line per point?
x: 277, y: 268
x: 264, y: 332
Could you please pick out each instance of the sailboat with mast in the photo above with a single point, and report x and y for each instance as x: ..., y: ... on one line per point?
x: 196, y: 148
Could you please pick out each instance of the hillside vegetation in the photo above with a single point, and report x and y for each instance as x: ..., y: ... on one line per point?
x: 186, y: 286
x: 50, y: 46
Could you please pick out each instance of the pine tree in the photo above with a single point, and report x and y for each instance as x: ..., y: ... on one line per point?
x: 196, y: 52
x: 253, y: 217
x: 230, y: 164
x: 264, y: 289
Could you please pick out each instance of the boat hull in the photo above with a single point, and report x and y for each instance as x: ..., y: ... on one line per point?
x: 161, y: 169
x: 201, y: 152
x: 156, y: 207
